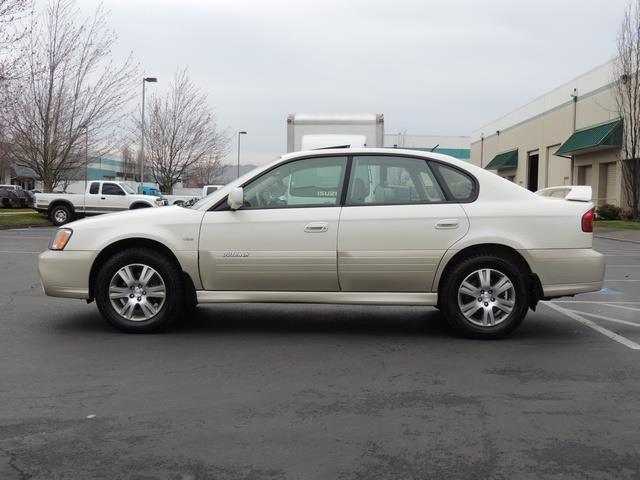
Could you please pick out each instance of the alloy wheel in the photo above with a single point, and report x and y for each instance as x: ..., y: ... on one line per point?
x: 486, y: 297
x: 137, y: 292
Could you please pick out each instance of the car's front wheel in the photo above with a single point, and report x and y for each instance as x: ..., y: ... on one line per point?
x: 139, y: 290
x: 485, y: 296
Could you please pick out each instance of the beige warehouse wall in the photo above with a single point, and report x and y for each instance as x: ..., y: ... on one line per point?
x: 557, y: 170
x: 544, y: 133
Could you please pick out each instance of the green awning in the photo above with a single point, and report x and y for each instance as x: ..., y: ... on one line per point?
x: 504, y: 160
x: 590, y: 139
x: 20, y: 171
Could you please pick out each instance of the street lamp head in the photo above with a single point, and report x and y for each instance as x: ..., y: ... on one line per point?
x: 242, y: 133
x: 150, y: 79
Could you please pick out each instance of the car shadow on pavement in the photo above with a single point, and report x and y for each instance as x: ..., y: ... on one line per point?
x: 355, y: 320
x: 316, y: 319
x: 302, y: 319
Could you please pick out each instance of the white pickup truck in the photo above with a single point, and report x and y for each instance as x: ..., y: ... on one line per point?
x: 100, y: 197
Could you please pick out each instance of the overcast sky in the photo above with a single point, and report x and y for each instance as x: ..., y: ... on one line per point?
x: 432, y: 67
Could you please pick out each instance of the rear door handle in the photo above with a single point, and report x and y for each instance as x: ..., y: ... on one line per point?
x: 448, y: 224
x: 316, y: 227
x: 102, y: 198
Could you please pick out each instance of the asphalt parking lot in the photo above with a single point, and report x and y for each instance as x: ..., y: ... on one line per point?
x: 317, y: 392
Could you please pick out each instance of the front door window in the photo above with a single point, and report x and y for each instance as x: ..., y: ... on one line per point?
x: 312, y: 182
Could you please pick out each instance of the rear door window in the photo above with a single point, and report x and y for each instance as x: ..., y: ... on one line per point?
x: 392, y: 180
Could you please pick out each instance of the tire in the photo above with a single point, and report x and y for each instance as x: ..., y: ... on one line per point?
x: 136, y: 206
x: 140, y: 308
x: 60, y: 214
x: 476, y: 309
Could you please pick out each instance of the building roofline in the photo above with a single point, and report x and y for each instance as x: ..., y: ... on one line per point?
x: 477, y: 134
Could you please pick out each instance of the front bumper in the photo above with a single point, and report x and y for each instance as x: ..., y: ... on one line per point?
x: 567, y: 271
x: 65, y: 273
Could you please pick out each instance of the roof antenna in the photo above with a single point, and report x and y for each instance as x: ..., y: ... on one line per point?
x: 434, y: 148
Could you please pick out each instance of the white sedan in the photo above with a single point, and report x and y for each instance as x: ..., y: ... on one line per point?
x: 356, y: 226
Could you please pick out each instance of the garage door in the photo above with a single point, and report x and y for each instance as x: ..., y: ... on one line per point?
x: 585, y: 175
x: 611, y: 183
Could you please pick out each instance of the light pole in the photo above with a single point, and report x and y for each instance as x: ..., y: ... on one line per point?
x: 144, y: 81
x: 239, y: 133
x: 86, y: 154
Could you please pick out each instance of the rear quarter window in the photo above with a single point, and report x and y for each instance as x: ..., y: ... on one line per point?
x: 462, y: 186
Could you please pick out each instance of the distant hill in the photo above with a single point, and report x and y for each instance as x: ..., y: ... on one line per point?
x: 230, y: 172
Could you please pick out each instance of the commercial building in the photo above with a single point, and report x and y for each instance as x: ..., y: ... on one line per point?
x: 456, y: 146
x: 570, y: 135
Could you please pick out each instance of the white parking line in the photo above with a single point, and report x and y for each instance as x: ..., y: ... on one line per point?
x: 14, y: 251
x: 621, y: 251
x: 621, y: 306
x: 20, y: 237
x: 42, y: 229
x: 594, y: 326
x: 608, y: 319
x: 599, y: 303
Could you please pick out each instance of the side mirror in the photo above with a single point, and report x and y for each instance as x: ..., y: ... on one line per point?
x: 235, y: 200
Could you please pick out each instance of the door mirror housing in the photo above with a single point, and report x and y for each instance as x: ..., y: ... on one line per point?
x: 235, y: 200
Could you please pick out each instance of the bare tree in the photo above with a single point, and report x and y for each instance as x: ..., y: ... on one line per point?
x: 208, y: 171
x: 12, y: 19
x: 5, y: 164
x: 180, y: 132
x: 12, y: 30
x: 71, y: 88
x: 70, y: 175
x: 627, y: 95
x: 129, y: 163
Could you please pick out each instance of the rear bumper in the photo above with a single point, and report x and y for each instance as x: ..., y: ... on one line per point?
x: 567, y: 271
x: 65, y: 273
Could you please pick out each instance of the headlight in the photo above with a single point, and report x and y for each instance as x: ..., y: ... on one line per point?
x: 61, y: 239
x: 159, y: 202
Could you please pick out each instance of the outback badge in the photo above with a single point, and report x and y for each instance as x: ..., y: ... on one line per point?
x: 235, y: 253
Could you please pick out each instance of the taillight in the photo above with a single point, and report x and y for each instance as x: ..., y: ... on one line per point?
x: 587, y: 221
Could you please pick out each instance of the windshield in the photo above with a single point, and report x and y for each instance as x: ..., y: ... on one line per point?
x: 128, y: 189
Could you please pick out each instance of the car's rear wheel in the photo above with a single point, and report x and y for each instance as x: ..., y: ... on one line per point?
x: 60, y: 214
x: 139, y: 290
x: 485, y: 296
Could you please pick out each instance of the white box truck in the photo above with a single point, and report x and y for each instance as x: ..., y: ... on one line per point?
x: 307, y: 131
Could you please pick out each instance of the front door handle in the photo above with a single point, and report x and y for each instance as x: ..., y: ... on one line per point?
x: 103, y: 198
x: 448, y: 224
x: 316, y: 227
